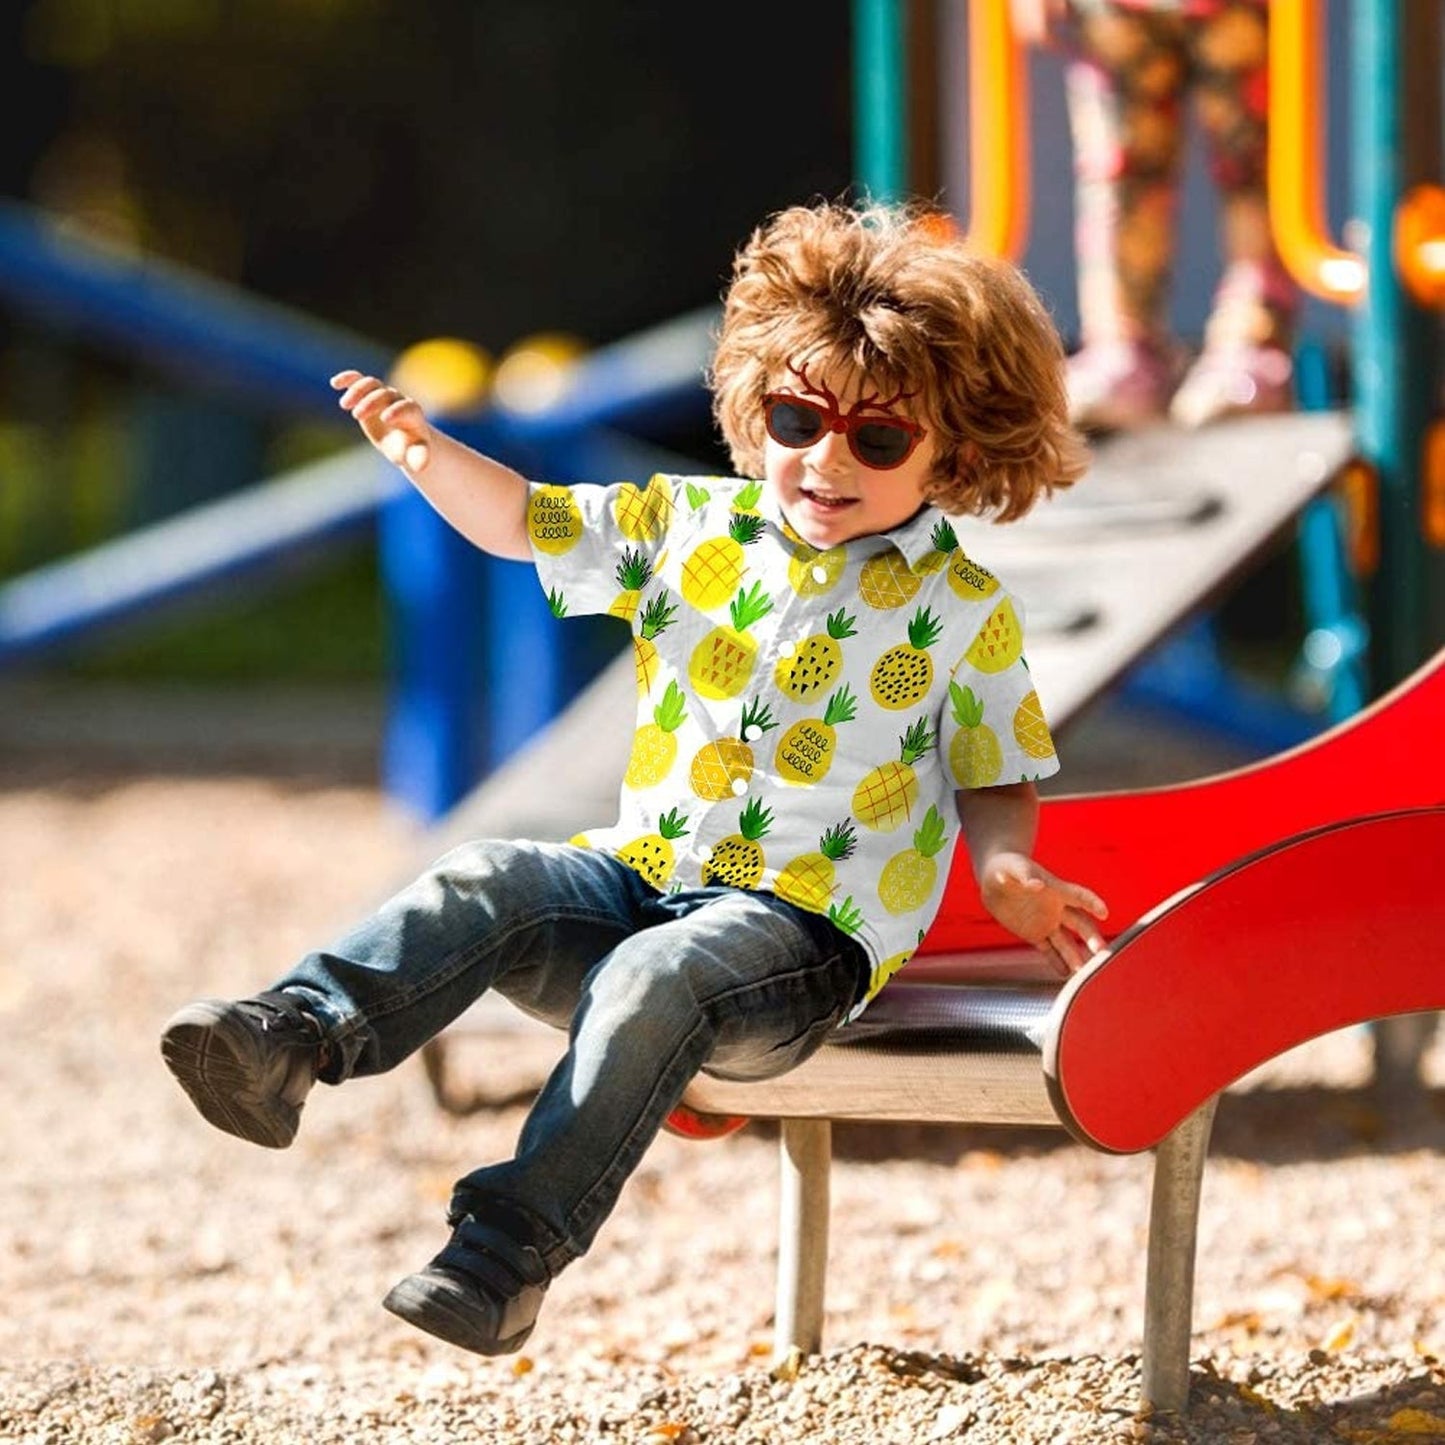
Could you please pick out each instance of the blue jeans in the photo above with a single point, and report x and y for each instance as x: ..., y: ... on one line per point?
x: 651, y: 987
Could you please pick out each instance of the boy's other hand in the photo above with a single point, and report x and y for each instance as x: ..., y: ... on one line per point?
x: 391, y: 421
x: 1056, y: 916
x: 1039, y: 22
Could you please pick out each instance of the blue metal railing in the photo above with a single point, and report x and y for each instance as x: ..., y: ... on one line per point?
x: 479, y: 665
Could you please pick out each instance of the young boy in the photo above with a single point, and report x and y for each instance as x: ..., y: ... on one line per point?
x: 830, y: 694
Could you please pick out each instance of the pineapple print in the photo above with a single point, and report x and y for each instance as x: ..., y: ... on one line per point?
x: 809, y: 880
x: 902, y: 676
x: 714, y: 569
x: 1031, y: 732
x: 556, y: 603
x: 747, y: 499
x: 816, y: 662
x: 969, y: 580
x: 554, y: 520
x: 975, y: 756
x: 890, y: 966
x: 846, y: 916
x: 737, y: 861
x: 657, y: 617
x: 909, y: 878
x: 634, y: 572
x: 887, y: 581
x: 805, y: 752
x: 697, y: 497
x: 886, y: 794
x: 722, y: 769
x: 723, y: 661
x: 644, y: 514
x: 652, y: 855
x: 945, y: 539
x: 1000, y: 641
x: 812, y: 573
x: 654, y: 746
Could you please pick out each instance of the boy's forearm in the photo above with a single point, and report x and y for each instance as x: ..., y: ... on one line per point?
x: 483, y: 499
x: 998, y: 820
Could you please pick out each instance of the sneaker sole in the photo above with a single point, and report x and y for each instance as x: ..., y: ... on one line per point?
x: 214, y: 1059
x: 418, y: 1302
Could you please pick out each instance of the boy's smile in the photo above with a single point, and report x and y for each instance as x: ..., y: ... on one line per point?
x: 827, y: 495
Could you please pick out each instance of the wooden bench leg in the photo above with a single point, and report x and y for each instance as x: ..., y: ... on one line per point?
x: 1169, y: 1286
x: 805, y: 1155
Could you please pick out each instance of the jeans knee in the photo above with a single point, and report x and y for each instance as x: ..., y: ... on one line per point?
x: 644, y: 998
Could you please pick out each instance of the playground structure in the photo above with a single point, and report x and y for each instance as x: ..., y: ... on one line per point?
x: 1209, y: 867
x: 1251, y: 912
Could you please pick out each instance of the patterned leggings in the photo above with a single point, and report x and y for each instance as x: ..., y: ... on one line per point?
x: 1131, y: 68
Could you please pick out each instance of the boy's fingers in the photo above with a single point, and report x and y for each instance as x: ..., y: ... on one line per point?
x: 393, y: 446
x: 417, y: 455
x: 343, y: 379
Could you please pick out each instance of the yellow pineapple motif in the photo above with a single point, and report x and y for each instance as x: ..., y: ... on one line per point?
x: 889, y: 966
x: 654, y: 745
x: 737, y: 861
x: 909, y: 878
x: 805, y: 752
x: 644, y: 513
x: 653, y: 855
x: 975, y: 755
x: 1000, y: 641
x: 815, y: 662
x: 554, y: 520
x: 902, y: 676
x: 811, y: 573
x: 723, y: 661
x: 886, y: 580
x: 722, y: 769
x: 969, y: 580
x: 886, y: 794
x: 809, y: 880
x: 633, y: 573
x: 1031, y: 731
x: 714, y: 569
x: 657, y: 617
x: 945, y: 539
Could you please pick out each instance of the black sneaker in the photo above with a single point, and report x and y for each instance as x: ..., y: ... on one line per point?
x: 482, y: 1292
x: 247, y: 1064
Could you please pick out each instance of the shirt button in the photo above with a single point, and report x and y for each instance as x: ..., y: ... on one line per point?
x: 787, y: 649
x: 739, y: 787
x: 751, y: 731
x: 820, y: 574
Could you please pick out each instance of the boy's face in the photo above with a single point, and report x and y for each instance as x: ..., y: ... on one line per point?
x: 825, y: 491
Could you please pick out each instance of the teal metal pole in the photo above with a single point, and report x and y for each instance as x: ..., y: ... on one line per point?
x: 1395, y: 352
x: 880, y: 98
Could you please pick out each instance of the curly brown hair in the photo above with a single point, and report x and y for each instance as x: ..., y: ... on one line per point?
x: 890, y: 293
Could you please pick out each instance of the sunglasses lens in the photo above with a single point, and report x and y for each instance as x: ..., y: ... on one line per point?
x: 880, y: 444
x: 792, y: 424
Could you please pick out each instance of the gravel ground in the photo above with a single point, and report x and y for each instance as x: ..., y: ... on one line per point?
x: 161, y: 1281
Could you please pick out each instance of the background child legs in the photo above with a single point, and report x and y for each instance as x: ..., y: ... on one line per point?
x: 1125, y: 80
x: 1245, y: 364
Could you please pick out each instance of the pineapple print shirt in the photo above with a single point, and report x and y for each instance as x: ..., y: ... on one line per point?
x: 804, y: 717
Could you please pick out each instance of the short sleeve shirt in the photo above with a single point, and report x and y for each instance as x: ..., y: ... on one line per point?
x: 804, y: 717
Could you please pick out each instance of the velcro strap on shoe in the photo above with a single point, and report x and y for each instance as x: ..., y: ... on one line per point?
x: 493, y: 1257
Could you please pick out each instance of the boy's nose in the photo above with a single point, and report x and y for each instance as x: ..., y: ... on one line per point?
x: 830, y: 451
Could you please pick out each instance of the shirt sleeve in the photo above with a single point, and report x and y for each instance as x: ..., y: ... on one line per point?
x: 591, y: 544
x: 993, y: 730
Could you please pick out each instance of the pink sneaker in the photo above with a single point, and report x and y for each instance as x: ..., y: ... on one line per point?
x: 1115, y: 385
x: 1232, y: 381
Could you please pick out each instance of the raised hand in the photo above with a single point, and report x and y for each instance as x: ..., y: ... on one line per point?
x: 391, y: 421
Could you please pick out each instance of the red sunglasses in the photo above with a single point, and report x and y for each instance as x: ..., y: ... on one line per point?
x: 879, y: 442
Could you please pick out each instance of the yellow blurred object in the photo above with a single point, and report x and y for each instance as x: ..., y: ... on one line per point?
x: 532, y: 375
x: 449, y: 377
